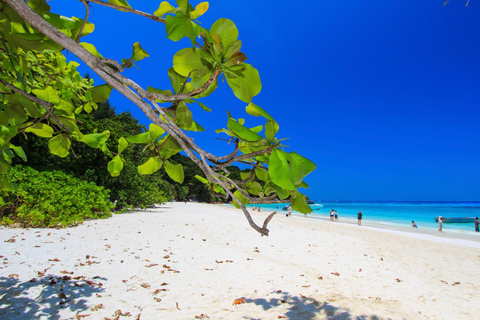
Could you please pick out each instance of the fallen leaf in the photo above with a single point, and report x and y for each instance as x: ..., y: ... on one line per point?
x: 238, y: 301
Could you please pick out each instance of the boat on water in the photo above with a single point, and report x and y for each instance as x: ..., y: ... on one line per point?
x: 456, y: 219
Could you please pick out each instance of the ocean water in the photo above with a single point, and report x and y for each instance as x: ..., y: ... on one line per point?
x: 399, y: 214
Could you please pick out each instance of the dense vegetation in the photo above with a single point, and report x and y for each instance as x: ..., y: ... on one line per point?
x: 51, y: 199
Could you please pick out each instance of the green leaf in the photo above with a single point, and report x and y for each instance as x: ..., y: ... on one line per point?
x: 41, y: 130
x: 188, y: 60
x: 178, y: 27
x: 245, y: 83
x: 138, y: 52
x: 115, y: 166
x: 183, y: 4
x: 301, y: 166
x: 151, y: 166
x: 176, y: 79
x: 279, y: 170
x: 170, y: 147
x: 242, y: 132
x: 4, y: 165
x: 121, y: 3
x: 299, y: 203
x: 175, y: 172
x: 95, y: 140
x: 200, y: 9
x: 184, y: 116
x: 204, y: 107
x: 59, y: 145
x: 6, y: 184
x: 91, y: 48
x: 226, y: 30
x: 262, y: 174
x: 155, y: 132
x: 233, y: 48
x: 163, y: 9
x: 255, y: 188
x: 139, y: 138
x: 271, y: 128
x: 19, y: 151
x: 240, y: 197
x: 272, y: 187
x: 201, y: 179
x: 66, y: 107
x: 48, y: 94
x: 19, y: 100
x: 244, y: 175
x: 101, y: 93
x: 13, y: 115
x: 122, y: 145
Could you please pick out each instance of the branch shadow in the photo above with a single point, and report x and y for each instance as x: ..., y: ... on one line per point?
x: 301, y: 307
x: 46, y: 296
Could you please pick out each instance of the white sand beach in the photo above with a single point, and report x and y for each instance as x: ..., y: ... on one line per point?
x: 192, y: 261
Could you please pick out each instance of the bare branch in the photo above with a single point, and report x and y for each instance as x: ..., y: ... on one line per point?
x: 87, y: 14
x: 120, y: 8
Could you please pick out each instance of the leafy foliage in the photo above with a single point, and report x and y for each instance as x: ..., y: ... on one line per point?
x: 57, y: 98
x: 51, y: 199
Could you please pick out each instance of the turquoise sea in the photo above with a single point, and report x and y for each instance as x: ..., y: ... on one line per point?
x: 394, y: 213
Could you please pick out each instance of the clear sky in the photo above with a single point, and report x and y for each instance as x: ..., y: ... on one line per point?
x: 383, y: 96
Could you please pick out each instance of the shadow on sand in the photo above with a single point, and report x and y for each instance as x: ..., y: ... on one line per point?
x: 305, y: 308
x: 46, y: 296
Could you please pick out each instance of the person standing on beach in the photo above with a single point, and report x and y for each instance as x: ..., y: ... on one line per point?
x: 336, y: 215
x: 289, y: 212
x: 477, y: 224
x: 440, y: 223
x: 359, y: 217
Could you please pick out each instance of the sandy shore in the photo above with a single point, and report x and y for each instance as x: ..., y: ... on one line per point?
x: 192, y: 261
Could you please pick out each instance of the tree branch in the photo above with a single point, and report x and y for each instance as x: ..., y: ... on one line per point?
x: 120, y: 8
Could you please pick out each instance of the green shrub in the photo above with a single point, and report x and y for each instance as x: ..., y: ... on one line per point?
x: 51, y: 199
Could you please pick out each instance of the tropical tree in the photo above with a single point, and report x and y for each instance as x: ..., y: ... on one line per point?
x: 40, y: 98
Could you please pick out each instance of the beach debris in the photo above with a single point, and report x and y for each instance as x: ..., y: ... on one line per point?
x: 176, y: 304
x: 455, y: 283
x: 320, y: 278
x: 218, y: 261
x: 238, y: 301
x: 335, y: 273
x: 13, y: 275
x: 398, y: 280
x: 256, y: 250
x: 279, y: 291
x: 55, y: 260
x: 157, y: 299
x: 166, y: 267
x: 202, y: 316
x: 248, y: 259
x: 156, y: 291
x: 66, y: 272
x: 443, y: 281
x: 381, y: 259
x: 145, y: 285
x: 80, y: 316
x: 164, y: 284
x: 360, y: 270
x: 17, y: 253
x: 152, y: 265
x: 97, y: 307
x: 12, y: 240
x: 229, y: 261
x: 306, y: 286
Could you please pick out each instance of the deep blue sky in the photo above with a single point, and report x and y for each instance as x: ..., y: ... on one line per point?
x: 383, y: 96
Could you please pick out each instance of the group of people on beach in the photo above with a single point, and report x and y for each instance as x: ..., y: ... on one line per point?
x: 333, y: 215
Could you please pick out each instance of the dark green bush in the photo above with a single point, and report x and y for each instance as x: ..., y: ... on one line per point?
x: 51, y: 199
